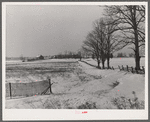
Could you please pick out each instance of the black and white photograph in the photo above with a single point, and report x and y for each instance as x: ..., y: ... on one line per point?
x: 78, y: 60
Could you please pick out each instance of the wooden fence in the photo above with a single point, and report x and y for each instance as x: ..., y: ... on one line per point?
x: 122, y: 68
x: 97, y: 67
x: 132, y: 69
x: 28, y: 89
x: 111, y: 68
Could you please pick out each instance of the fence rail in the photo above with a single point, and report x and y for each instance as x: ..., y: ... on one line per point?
x: 98, y: 67
x: 132, y: 69
x: 123, y: 68
x: 111, y: 68
x: 28, y: 89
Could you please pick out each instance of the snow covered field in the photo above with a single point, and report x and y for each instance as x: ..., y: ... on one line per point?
x: 118, y: 61
x: 76, y: 85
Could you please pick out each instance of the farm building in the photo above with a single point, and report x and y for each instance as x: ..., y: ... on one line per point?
x: 39, y: 57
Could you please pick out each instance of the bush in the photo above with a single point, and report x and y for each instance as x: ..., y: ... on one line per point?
x: 115, y: 84
x: 87, y: 105
x: 126, y: 103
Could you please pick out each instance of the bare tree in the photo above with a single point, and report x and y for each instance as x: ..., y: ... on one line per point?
x: 130, y: 19
x: 113, y: 40
x: 99, y: 34
x: 91, y: 45
x: 96, y: 42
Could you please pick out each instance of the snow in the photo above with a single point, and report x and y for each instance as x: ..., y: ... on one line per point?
x: 118, y: 61
x: 91, y: 85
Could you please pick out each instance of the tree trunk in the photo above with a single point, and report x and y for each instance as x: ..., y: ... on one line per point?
x: 108, y: 62
x: 103, y: 63
x: 98, y: 64
x: 137, y: 57
x: 137, y: 62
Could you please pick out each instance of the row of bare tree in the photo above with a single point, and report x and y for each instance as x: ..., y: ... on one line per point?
x: 121, y: 26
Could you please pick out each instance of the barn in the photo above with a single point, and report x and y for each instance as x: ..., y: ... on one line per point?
x: 40, y: 57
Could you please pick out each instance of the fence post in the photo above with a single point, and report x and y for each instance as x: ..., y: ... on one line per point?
x: 132, y: 69
x: 112, y: 67
x: 136, y: 70
x: 50, y: 89
x: 127, y: 68
x: 143, y: 69
x: 10, y: 90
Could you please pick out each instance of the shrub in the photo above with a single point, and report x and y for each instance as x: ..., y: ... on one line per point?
x: 87, y: 105
x: 126, y: 103
x: 115, y: 84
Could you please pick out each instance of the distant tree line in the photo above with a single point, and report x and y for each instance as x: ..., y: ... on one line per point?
x: 68, y: 55
x: 131, y: 55
x: 121, y: 55
x: 61, y: 56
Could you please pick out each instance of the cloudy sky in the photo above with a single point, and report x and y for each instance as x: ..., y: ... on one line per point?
x: 47, y: 30
x: 32, y: 30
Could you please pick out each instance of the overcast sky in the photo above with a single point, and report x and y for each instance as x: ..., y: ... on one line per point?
x: 32, y: 30
x: 47, y: 30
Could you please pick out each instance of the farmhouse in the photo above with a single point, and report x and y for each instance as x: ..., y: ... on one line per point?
x: 39, y: 57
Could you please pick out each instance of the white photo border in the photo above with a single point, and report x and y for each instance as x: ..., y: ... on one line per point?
x: 71, y: 114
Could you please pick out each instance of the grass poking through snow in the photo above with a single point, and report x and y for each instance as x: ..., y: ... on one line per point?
x: 87, y: 105
x: 127, y: 103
